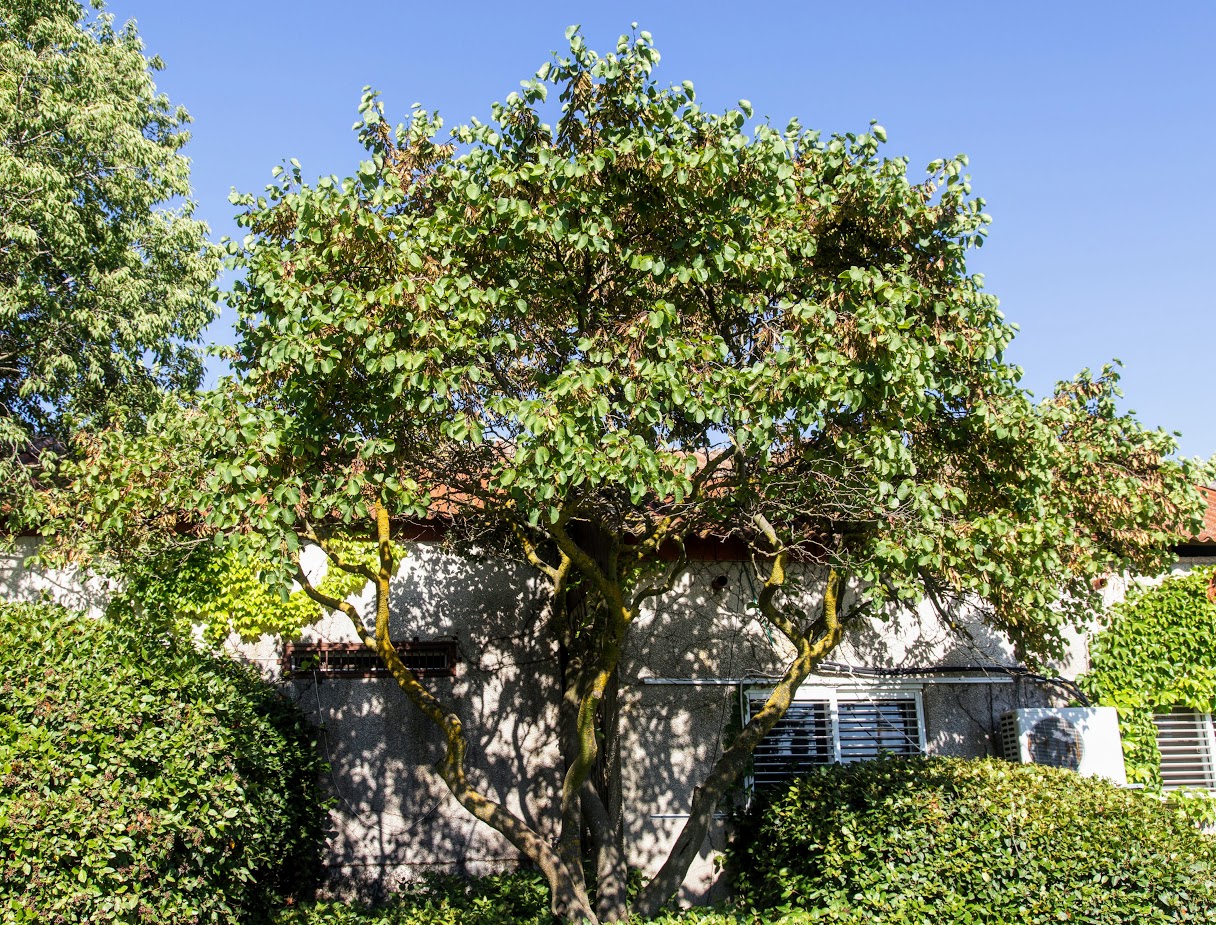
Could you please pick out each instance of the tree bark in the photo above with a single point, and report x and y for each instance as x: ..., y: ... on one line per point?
x: 611, y: 871
x: 568, y: 610
x: 568, y: 895
x: 733, y: 761
x: 595, y: 758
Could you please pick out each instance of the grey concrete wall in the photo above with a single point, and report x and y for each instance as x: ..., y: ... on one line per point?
x: 395, y: 819
x: 672, y: 732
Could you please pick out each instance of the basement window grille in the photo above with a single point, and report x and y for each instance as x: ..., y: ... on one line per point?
x: 1187, y: 742
x: 426, y: 658
x: 825, y: 726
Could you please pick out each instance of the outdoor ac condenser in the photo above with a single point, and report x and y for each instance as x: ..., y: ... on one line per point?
x: 1085, y: 739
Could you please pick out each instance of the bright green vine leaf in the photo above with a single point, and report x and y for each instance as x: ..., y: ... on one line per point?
x: 225, y: 592
x: 1158, y: 652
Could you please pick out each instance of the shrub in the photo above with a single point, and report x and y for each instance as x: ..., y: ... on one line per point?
x: 142, y: 781
x: 951, y: 840
x: 519, y: 898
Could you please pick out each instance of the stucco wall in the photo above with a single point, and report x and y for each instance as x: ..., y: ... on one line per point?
x: 394, y: 819
x: 70, y: 587
x: 705, y: 630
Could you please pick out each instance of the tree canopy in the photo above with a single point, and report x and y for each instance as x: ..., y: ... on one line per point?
x: 105, y: 278
x: 590, y: 331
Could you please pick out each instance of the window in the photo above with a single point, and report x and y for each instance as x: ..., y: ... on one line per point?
x: 430, y: 658
x: 824, y: 726
x: 1187, y: 741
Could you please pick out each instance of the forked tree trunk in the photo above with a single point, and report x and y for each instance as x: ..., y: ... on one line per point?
x: 588, y: 713
x: 600, y: 793
x: 570, y: 666
x: 568, y: 895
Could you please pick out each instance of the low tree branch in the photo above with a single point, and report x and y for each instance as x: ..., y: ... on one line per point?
x: 569, y: 898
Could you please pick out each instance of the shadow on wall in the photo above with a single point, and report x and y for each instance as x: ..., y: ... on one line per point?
x: 394, y: 818
x: 706, y: 630
x: 69, y: 587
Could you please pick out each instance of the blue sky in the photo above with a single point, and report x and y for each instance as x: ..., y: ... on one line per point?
x: 1089, y: 127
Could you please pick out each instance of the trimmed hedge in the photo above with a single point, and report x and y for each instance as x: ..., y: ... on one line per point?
x: 519, y: 898
x: 953, y: 841
x: 142, y: 781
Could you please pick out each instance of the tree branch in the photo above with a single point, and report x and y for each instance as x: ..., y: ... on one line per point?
x: 352, y: 568
x: 733, y: 760
x: 569, y: 899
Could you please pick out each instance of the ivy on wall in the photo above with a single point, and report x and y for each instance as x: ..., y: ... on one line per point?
x: 1158, y: 652
x: 212, y: 588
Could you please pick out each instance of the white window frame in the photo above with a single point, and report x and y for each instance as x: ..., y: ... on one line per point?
x: 834, y: 696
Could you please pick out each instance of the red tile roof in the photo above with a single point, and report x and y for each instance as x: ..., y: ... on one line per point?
x: 1208, y: 533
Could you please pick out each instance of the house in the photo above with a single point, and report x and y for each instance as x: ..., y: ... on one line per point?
x: 697, y: 661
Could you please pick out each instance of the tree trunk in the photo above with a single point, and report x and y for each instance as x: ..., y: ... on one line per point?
x: 600, y: 792
x: 568, y: 895
x: 611, y: 871
x: 733, y: 761
x: 603, y: 814
x: 571, y: 667
x: 706, y: 798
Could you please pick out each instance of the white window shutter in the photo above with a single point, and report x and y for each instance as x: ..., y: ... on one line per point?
x: 1187, y: 742
x: 826, y: 726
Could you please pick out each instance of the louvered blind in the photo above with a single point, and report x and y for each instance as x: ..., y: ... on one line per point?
x: 800, y: 741
x: 818, y: 732
x: 1187, y: 742
x: 869, y: 729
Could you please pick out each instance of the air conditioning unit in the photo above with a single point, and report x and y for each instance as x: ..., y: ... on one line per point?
x: 1084, y: 739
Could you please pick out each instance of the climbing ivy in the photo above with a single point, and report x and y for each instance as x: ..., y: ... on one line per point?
x: 213, y: 588
x: 1157, y: 652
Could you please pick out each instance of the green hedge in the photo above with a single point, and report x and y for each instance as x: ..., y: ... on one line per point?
x: 142, y: 781
x: 515, y: 898
x: 519, y: 898
x: 954, y: 841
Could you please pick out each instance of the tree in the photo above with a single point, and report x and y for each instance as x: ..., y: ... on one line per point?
x: 103, y: 283
x: 587, y: 343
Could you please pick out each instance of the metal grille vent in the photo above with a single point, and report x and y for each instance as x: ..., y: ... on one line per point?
x: 1010, y: 749
x: 430, y: 658
x: 1187, y: 742
x: 1055, y: 742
